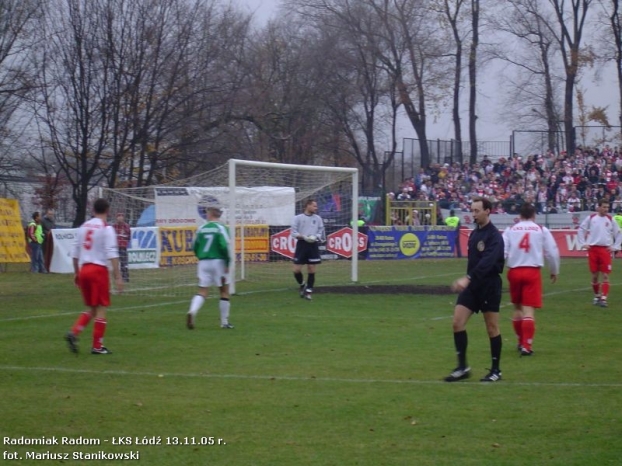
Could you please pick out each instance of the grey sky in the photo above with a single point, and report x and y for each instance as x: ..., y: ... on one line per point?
x: 490, y: 126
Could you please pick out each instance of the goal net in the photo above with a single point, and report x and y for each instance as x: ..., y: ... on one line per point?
x: 260, y: 200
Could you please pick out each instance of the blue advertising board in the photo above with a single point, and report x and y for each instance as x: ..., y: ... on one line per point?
x: 407, y: 242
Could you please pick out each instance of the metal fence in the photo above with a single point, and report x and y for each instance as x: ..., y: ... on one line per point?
x: 451, y: 151
x: 407, y: 163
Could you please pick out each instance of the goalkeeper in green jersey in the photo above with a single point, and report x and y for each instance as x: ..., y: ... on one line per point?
x: 211, y: 246
x: 308, y: 229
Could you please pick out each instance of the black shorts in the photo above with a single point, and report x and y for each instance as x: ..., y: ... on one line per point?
x: 307, y: 253
x: 485, y: 298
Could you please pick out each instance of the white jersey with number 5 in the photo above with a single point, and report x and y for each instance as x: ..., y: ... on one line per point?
x: 528, y: 244
x: 95, y: 243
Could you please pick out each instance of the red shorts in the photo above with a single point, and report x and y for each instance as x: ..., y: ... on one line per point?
x: 526, y: 286
x: 599, y: 258
x: 95, y: 285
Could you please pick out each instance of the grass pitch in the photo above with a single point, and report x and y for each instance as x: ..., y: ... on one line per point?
x: 341, y: 380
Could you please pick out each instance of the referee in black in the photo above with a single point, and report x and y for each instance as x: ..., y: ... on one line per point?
x: 308, y: 229
x: 480, y: 290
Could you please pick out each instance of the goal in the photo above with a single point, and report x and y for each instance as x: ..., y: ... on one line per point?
x: 260, y: 200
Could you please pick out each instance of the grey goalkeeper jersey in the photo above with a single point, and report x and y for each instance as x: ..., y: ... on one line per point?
x: 307, y: 225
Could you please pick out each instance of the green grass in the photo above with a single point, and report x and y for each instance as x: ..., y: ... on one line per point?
x: 342, y: 380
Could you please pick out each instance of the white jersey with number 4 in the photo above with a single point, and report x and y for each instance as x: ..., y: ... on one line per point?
x: 95, y: 243
x: 528, y: 244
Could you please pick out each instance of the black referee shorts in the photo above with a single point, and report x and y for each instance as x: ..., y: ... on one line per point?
x: 307, y: 253
x: 485, y: 298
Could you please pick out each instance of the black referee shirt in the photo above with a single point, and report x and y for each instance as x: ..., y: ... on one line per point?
x: 486, y: 254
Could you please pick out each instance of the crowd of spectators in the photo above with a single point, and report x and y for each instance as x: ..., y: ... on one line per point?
x: 555, y: 183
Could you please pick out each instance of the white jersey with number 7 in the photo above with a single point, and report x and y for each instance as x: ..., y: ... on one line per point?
x: 528, y: 244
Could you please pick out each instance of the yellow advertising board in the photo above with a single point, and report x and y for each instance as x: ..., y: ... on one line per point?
x: 176, y: 244
x: 12, y: 239
x: 256, y: 242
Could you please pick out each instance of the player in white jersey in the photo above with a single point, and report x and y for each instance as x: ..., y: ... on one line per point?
x: 600, y: 235
x: 95, y: 245
x: 526, y: 246
x: 308, y: 229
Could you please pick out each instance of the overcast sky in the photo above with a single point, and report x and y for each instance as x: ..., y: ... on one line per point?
x: 490, y: 125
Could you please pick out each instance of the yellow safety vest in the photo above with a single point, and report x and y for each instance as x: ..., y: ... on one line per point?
x: 452, y: 221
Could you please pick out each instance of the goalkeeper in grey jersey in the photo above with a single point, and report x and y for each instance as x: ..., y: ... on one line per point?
x: 308, y: 229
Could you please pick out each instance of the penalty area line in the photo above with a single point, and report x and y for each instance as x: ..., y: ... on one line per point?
x: 299, y: 378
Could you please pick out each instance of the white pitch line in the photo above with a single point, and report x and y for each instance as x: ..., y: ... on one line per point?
x: 78, y: 311
x: 299, y: 378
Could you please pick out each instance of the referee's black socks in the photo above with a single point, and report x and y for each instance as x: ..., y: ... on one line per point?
x: 495, y: 352
x: 461, y: 341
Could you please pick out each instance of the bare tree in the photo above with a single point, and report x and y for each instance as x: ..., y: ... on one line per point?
x: 531, y: 52
x: 611, y: 48
x: 74, y: 114
x: 453, y: 14
x: 286, y: 85
x: 473, y: 79
x: 17, y: 23
x: 363, y: 104
x: 129, y: 88
x: 571, y: 19
x: 402, y: 36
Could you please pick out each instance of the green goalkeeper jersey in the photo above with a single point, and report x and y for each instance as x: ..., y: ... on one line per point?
x: 212, y: 242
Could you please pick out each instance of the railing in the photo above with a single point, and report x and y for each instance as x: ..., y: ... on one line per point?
x: 413, y: 213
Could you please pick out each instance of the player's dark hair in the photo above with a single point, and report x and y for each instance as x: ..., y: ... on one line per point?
x: 309, y: 202
x: 486, y: 204
x: 527, y: 210
x: 602, y: 201
x: 35, y: 215
x: 101, y: 206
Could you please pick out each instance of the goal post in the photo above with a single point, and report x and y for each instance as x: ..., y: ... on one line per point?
x: 259, y: 202
x: 341, y: 173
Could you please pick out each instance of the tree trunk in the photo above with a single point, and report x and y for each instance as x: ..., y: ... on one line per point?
x: 473, y: 81
x: 456, y: 100
x: 417, y: 119
x: 569, y: 114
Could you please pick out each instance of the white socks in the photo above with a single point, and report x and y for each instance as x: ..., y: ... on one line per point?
x: 196, y: 303
x: 224, y: 306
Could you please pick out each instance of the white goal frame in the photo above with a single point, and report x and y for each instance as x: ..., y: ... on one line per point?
x: 234, y: 164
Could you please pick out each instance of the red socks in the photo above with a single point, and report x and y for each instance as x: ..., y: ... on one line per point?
x: 596, y: 288
x: 528, y: 331
x: 518, y: 329
x: 605, y: 288
x: 81, y: 322
x: 525, y: 329
x: 99, y: 329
